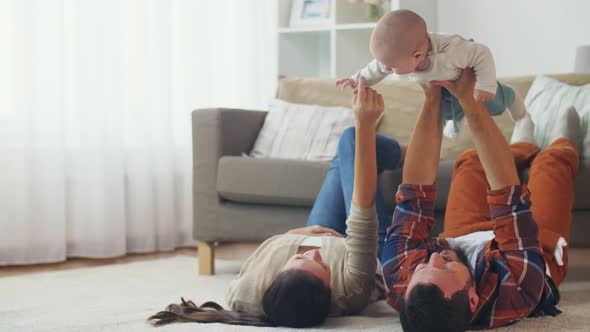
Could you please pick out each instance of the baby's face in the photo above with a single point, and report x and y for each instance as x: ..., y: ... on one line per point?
x: 396, y: 61
x: 401, y: 66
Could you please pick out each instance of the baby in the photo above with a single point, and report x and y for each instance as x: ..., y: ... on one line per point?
x: 402, y: 45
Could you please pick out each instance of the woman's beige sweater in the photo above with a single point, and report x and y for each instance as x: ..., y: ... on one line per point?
x: 356, y: 278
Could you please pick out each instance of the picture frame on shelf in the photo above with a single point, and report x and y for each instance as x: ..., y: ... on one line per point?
x: 305, y: 13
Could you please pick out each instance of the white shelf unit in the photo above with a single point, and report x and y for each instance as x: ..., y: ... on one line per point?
x: 338, y: 48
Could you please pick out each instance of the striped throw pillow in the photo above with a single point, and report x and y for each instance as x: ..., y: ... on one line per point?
x: 547, y: 97
x: 298, y: 131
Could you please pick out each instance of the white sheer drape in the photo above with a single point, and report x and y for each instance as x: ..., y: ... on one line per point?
x: 95, y: 102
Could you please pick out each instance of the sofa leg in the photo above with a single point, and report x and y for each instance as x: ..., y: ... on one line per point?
x: 206, y: 252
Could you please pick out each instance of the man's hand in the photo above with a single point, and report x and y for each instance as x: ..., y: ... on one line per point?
x: 315, y: 230
x: 492, y: 148
x: 483, y: 96
x: 367, y: 105
x: 462, y: 88
x: 431, y: 91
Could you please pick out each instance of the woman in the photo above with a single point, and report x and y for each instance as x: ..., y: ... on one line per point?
x: 297, y: 279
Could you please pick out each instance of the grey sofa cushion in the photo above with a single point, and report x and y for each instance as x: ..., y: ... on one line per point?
x: 390, y: 180
x: 297, y: 182
x: 270, y: 181
x: 582, y: 187
x: 580, y: 229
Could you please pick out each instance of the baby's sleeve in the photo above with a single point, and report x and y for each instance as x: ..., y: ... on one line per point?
x: 373, y: 73
x: 479, y: 57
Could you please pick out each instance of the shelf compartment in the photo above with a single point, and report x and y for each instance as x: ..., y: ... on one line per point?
x: 305, y: 54
x: 355, y: 26
x: 352, y: 49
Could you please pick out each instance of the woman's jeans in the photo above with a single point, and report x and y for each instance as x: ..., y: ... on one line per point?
x: 332, y: 205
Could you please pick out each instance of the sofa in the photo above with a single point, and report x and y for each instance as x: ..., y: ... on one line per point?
x: 240, y: 198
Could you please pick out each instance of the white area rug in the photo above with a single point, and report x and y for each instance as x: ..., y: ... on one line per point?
x: 121, y: 297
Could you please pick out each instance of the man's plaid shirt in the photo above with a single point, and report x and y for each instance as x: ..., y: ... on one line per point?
x: 510, y: 272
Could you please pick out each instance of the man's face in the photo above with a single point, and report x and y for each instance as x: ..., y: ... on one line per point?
x: 445, y: 270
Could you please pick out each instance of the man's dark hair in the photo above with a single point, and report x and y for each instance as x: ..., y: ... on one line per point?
x: 297, y: 299
x: 427, y: 309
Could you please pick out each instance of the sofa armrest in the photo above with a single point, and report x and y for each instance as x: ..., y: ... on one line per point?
x: 221, y: 132
x: 217, y: 132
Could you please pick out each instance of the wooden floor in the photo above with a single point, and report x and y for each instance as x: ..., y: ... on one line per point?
x: 229, y: 251
x: 579, y: 260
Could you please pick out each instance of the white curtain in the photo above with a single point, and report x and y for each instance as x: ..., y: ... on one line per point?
x: 95, y: 128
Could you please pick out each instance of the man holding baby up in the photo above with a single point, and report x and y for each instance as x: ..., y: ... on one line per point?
x: 499, y: 259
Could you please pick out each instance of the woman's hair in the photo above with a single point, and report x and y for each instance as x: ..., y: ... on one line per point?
x: 295, y: 298
x: 208, y: 312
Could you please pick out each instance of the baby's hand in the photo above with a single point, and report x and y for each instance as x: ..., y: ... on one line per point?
x: 483, y: 95
x: 343, y: 83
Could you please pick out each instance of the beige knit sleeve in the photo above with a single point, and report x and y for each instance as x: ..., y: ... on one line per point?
x: 465, y: 53
x: 360, y: 261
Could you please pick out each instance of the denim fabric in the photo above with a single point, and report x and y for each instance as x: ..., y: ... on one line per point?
x: 332, y: 205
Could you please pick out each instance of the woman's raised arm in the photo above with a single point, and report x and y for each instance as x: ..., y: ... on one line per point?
x: 367, y: 106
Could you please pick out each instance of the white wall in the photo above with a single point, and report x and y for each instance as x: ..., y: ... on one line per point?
x: 526, y: 36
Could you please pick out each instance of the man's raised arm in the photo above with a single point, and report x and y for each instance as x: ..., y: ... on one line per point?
x: 423, y: 155
x: 492, y: 148
x: 515, y: 249
x: 413, y: 218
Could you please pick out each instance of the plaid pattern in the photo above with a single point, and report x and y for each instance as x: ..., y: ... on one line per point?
x: 510, y: 274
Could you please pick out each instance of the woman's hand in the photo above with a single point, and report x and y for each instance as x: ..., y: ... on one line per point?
x: 315, y: 230
x: 367, y: 105
x: 343, y: 83
x: 462, y: 88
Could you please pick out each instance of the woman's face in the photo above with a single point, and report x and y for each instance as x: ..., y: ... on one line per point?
x: 310, y: 261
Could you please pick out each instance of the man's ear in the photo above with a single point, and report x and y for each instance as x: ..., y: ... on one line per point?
x: 473, y: 298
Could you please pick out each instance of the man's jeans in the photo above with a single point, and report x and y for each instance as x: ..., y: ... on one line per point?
x: 332, y: 205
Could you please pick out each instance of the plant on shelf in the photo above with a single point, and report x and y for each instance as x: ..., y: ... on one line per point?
x: 377, y: 8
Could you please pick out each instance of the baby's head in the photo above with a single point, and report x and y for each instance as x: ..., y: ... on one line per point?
x: 400, y: 41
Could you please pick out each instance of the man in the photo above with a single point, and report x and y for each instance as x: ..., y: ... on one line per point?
x: 493, y: 264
